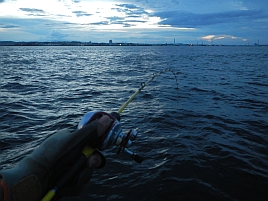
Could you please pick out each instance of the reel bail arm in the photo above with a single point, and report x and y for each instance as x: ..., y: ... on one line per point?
x: 125, y: 142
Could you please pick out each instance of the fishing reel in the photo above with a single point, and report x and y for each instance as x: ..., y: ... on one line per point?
x: 114, y: 134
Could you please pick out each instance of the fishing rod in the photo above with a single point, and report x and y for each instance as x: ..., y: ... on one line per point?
x: 144, y: 84
x: 114, y: 136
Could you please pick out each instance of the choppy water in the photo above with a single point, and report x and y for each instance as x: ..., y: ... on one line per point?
x: 206, y: 141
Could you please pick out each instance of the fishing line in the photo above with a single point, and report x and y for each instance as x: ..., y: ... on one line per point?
x: 144, y: 84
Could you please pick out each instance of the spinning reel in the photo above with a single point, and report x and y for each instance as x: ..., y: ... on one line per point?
x: 114, y: 134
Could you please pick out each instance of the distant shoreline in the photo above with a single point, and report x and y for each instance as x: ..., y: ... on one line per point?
x: 77, y: 43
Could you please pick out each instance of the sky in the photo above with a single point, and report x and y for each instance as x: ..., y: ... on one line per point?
x: 233, y: 22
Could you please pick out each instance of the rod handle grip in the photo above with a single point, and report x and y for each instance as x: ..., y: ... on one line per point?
x: 50, y: 194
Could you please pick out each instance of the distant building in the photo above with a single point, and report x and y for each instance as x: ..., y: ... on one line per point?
x: 110, y: 42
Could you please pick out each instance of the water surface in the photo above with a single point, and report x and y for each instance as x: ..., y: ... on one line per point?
x: 206, y: 140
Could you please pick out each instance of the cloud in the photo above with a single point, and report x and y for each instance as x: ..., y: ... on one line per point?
x: 128, y: 25
x: 130, y: 9
x: 7, y: 26
x: 33, y: 11
x: 136, y: 21
x: 211, y: 38
x: 45, y: 29
x: 125, y: 21
x: 81, y: 13
x: 188, y: 19
x: 100, y: 23
x: 57, y: 36
x: 128, y: 6
x: 115, y: 18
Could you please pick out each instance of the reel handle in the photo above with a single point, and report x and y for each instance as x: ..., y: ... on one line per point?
x: 137, y: 158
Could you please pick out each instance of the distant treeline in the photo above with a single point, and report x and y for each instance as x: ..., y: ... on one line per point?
x: 77, y: 43
x: 73, y: 43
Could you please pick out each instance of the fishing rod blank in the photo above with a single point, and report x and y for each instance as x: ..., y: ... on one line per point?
x: 145, y: 84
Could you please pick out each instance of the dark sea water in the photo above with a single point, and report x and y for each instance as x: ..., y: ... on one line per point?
x: 206, y: 140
